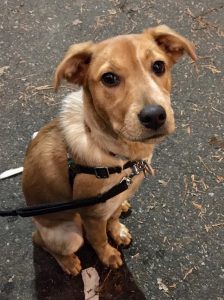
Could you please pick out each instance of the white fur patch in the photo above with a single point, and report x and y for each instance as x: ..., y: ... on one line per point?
x: 72, y: 123
x: 65, y: 238
x: 124, y: 231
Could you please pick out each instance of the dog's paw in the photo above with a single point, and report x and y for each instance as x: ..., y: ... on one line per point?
x: 121, y: 235
x: 125, y: 236
x: 111, y: 257
x: 125, y: 206
x: 70, y: 264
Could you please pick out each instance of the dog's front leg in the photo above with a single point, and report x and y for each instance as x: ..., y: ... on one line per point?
x: 96, y: 233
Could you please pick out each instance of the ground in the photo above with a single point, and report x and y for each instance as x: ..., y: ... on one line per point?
x: 177, y: 217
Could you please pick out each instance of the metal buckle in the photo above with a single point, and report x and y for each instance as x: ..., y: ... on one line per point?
x: 135, y: 169
x: 102, y: 172
x: 127, y: 179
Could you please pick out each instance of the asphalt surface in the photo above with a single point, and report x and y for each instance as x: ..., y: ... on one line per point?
x: 177, y: 218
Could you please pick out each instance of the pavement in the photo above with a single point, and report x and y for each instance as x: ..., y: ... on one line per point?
x: 177, y: 217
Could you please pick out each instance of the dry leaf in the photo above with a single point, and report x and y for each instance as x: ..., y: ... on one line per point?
x: 112, y: 11
x: 91, y: 279
x: 212, y: 68
x: 217, y: 142
x: 219, y: 179
x: 162, y: 286
x: 163, y: 182
x: 210, y: 226
x: 196, y: 205
x: 3, y: 69
x: 76, y: 22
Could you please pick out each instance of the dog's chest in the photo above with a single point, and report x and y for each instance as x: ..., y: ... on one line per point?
x: 87, y: 186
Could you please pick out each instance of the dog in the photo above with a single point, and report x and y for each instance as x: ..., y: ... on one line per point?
x: 121, y: 113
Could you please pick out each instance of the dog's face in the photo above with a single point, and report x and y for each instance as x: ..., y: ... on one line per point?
x: 128, y: 80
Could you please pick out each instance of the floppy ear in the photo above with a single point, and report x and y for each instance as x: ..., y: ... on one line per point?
x: 75, y: 64
x: 171, y: 42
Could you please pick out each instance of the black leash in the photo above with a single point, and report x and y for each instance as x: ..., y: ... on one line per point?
x: 137, y: 168
x: 56, y: 207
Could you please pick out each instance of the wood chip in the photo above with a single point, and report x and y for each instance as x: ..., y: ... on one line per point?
x: 189, y: 130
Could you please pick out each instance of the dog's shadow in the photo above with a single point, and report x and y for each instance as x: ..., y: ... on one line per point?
x: 51, y: 283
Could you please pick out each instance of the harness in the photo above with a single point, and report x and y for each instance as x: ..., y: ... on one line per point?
x: 137, y: 167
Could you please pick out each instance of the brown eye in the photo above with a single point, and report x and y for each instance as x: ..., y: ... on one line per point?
x: 110, y: 79
x: 158, y: 67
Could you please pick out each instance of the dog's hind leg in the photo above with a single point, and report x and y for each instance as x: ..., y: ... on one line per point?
x: 125, y: 206
x: 118, y: 231
x: 61, y: 241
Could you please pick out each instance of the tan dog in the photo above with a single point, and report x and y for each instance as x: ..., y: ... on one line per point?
x: 122, y: 112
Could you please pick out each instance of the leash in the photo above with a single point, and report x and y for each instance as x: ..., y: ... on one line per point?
x: 136, y: 168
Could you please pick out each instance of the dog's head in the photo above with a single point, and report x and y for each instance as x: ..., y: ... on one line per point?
x: 127, y: 81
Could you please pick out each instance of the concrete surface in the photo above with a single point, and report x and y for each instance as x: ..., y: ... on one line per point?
x: 178, y: 216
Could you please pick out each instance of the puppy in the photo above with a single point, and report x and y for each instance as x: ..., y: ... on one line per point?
x: 121, y: 113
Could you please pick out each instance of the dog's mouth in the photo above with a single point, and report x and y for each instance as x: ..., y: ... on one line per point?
x: 153, y: 139
x: 156, y: 136
x: 148, y: 139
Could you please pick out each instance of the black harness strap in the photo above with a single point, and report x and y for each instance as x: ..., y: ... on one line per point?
x: 99, y: 172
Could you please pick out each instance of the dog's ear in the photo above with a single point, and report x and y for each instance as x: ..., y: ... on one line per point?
x: 75, y: 64
x: 171, y: 42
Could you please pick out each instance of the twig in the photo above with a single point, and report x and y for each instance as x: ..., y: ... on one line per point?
x: 185, y: 188
x: 188, y: 273
x: 219, y: 111
x: 206, y: 167
x: 103, y: 283
x: 210, y: 226
x: 217, y: 177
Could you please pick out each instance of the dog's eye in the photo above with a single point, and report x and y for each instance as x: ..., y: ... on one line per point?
x: 110, y: 79
x: 158, y: 67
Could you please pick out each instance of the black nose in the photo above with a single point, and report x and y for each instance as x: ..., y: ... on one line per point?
x: 152, y: 116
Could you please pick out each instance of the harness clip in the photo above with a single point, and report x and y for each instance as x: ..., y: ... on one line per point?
x: 127, y: 179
